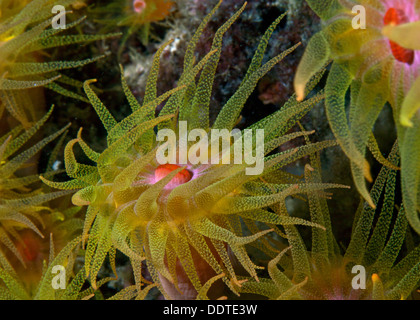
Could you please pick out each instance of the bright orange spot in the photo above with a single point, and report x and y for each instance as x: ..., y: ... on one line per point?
x: 395, y: 17
x: 181, y: 177
x: 375, y: 277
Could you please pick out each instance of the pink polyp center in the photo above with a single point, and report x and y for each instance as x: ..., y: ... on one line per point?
x: 139, y: 5
x: 181, y: 177
x: 395, y: 17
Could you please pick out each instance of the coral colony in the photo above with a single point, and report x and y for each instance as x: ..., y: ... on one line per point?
x: 171, y: 196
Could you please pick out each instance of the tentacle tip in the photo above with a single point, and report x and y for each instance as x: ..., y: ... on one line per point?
x: 406, y: 122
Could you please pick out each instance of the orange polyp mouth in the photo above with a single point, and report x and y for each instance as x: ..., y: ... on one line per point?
x: 181, y: 177
x: 30, y: 248
x: 395, y: 17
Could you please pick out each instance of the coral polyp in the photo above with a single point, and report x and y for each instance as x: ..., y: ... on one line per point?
x: 139, y: 6
x: 378, y: 61
x: 187, y: 219
x: 26, y: 35
x: 18, y: 201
